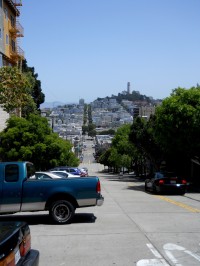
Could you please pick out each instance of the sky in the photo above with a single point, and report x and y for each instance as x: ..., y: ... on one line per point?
x: 85, y: 49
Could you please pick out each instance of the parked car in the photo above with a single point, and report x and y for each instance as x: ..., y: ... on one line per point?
x: 63, y: 173
x: 68, y: 169
x: 15, y: 245
x: 167, y: 182
x: 84, y: 171
x: 45, y: 175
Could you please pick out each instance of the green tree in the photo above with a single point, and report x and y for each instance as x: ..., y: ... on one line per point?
x: 15, y: 89
x: 32, y: 139
x: 122, y: 151
x: 107, y: 132
x: 36, y: 92
x: 115, y: 159
x: 148, y: 150
x: 177, y: 127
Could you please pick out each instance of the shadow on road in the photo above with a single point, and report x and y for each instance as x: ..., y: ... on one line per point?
x: 35, y: 219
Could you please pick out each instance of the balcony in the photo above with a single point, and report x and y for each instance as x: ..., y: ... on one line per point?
x: 16, y: 53
x: 14, y: 4
x: 17, y: 30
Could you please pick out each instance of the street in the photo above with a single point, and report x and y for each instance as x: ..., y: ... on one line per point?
x: 131, y: 228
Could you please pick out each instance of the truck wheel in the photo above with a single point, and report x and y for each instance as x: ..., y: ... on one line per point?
x: 62, y: 211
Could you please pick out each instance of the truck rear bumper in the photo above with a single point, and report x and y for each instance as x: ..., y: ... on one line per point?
x: 100, y: 201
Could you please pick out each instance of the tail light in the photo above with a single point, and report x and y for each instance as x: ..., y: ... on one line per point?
x: 25, y: 245
x: 161, y: 182
x: 184, y: 182
x: 98, y: 188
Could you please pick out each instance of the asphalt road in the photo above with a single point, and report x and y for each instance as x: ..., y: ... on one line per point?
x: 131, y: 228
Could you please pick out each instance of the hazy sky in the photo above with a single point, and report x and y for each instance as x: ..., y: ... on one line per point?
x: 92, y: 48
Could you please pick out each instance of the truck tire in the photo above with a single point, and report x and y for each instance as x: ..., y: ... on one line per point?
x: 62, y: 211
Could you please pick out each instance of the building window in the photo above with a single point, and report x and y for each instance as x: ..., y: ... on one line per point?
x: 12, y: 21
x: 6, y: 13
x: 7, y: 39
x: 13, y: 45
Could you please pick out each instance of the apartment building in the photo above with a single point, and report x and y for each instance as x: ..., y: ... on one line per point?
x: 11, y: 31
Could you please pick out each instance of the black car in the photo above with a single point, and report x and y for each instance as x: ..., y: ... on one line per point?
x: 15, y: 245
x: 166, y: 182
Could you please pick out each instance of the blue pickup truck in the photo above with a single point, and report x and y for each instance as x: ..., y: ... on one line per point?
x: 21, y: 192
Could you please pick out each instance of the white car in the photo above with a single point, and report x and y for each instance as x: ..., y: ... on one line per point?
x: 63, y: 173
x: 45, y: 175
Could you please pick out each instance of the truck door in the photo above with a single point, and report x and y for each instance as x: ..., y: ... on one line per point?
x: 11, y: 188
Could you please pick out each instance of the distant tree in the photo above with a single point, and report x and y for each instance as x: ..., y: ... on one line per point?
x: 122, y: 152
x: 121, y: 140
x: 104, y: 158
x: 114, y: 159
x: 85, y: 111
x: 32, y: 140
x: 92, y: 133
x: 84, y: 129
x: 91, y: 130
x: 142, y: 137
x: 89, y: 110
x: 107, y: 132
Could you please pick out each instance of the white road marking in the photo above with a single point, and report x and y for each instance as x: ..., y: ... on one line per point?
x: 160, y: 261
x: 170, y: 247
x: 152, y: 262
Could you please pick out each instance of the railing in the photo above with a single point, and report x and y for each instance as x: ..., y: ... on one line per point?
x: 20, y: 52
x: 20, y: 29
x: 16, y: 52
x: 17, y: 30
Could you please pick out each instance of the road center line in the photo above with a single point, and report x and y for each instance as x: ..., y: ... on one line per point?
x: 182, y: 205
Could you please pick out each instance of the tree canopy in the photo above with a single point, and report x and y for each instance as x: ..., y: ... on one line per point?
x: 177, y: 125
x: 15, y: 90
x: 32, y: 140
x: 121, y: 152
x: 36, y: 92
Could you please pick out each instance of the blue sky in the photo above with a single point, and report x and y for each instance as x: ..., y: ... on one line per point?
x: 92, y: 48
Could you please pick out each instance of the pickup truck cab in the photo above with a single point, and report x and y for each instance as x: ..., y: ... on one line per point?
x: 20, y: 192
